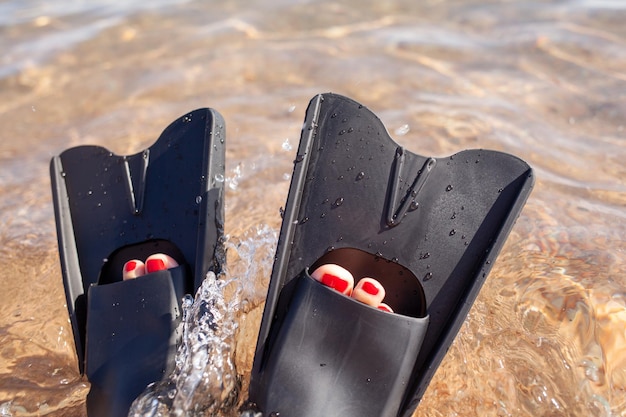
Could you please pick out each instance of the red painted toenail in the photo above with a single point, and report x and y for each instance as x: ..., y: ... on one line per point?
x: 385, y: 308
x: 130, y: 266
x: 155, y: 265
x: 335, y: 282
x: 370, y: 288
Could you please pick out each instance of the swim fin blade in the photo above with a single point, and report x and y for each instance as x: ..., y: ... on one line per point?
x: 110, y: 209
x: 429, y: 229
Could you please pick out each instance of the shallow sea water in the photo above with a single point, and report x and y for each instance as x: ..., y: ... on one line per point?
x: 545, y: 81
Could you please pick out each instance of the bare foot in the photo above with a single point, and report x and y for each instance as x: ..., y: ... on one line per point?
x: 156, y: 262
x: 368, y: 290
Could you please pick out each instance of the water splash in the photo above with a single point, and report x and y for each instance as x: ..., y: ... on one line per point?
x: 233, y: 182
x: 205, y: 380
x: 5, y: 409
x: 402, y: 130
x: 286, y: 145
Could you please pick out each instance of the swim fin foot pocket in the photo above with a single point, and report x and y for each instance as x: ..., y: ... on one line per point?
x: 110, y: 209
x: 429, y: 229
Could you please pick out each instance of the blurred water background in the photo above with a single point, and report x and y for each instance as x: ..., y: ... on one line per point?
x: 543, y: 80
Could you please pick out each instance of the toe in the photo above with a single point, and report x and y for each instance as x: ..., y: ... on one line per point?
x: 133, y: 269
x: 385, y: 307
x: 159, y: 262
x: 336, y: 277
x: 369, y: 291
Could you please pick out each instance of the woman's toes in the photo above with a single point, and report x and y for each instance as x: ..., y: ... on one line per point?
x: 133, y: 269
x: 336, y: 277
x: 369, y: 291
x: 385, y: 307
x: 159, y: 262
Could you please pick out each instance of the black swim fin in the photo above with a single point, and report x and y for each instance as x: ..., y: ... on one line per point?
x: 110, y: 209
x: 428, y: 228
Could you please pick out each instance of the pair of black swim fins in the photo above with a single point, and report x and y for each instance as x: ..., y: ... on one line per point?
x: 427, y: 228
